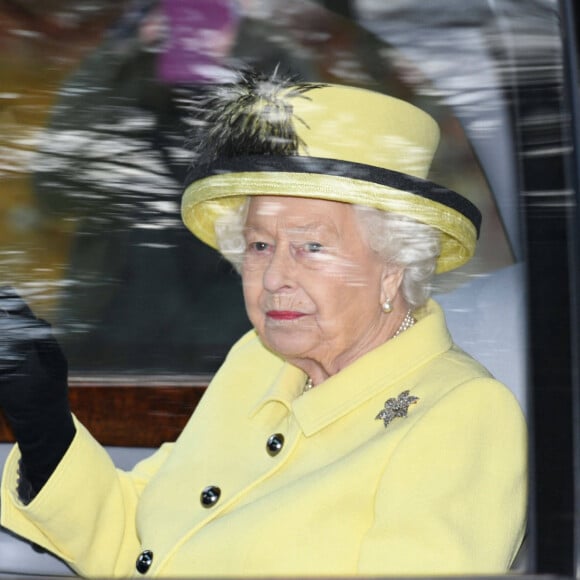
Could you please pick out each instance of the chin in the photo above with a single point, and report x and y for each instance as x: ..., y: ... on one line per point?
x: 287, y: 347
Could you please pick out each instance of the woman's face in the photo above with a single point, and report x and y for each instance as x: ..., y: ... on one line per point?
x: 313, y: 287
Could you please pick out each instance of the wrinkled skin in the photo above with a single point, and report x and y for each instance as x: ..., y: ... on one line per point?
x: 313, y: 287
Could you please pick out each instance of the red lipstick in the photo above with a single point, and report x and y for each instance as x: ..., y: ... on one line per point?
x: 284, y: 314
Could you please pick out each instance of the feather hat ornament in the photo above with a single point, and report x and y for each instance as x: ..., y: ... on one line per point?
x: 254, y: 116
x: 270, y: 135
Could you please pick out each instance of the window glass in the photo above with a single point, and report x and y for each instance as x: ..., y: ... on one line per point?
x: 96, y: 131
x: 94, y: 151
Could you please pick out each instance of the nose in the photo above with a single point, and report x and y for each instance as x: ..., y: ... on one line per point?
x: 279, y: 274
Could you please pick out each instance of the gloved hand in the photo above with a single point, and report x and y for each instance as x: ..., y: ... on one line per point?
x: 33, y: 391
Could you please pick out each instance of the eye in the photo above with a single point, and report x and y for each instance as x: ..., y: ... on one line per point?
x: 313, y: 247
x: 258, y: 246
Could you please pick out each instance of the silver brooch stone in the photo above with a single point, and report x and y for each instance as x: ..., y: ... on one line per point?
x: 396, y: 407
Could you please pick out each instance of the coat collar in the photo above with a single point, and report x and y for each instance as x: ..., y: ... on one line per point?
x: 381, y: 370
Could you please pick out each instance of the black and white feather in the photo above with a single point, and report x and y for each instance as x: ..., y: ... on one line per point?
x: 253, y: 116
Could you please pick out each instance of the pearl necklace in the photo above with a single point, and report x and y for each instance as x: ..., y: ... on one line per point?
x: 408, y: 321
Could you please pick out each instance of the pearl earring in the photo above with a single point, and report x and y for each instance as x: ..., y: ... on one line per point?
x: 387, y: 306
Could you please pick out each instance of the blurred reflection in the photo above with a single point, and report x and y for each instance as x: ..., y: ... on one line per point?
x: 140, y: 292
x: 39, y: 45
x: 99, y: 246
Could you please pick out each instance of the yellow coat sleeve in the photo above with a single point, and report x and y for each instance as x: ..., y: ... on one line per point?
x: 97, y: 497
x: 453, y: 494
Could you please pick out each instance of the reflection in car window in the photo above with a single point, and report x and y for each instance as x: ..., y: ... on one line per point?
x: 94, y: 177
x: 96, y: 123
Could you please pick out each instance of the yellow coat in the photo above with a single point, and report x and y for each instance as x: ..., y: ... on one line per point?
x: 441, y: 491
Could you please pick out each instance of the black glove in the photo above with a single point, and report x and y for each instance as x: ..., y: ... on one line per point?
x: 33, y: 391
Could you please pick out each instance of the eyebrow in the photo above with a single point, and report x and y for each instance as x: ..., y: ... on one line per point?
x: 314, y: 228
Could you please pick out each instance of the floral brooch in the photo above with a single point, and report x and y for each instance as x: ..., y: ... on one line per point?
x: 396, y: 407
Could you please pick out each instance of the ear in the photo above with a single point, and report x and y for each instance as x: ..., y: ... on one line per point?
x: 390, y: 283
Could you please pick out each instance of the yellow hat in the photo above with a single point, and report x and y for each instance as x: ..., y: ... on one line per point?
x: 270, y: 137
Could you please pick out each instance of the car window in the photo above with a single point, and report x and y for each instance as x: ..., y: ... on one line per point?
x: 96, y: 133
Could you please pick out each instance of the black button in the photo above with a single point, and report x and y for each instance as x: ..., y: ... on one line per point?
x: 275, y: 443
x: 210, y: 495
x: 144, y: 561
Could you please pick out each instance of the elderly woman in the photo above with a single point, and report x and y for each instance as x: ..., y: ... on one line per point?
x: 345, y: 434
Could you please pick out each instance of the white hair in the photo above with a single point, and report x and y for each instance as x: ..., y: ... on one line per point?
x: 405, y: 243
x: 399, y: 240
x: 229, y: 233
